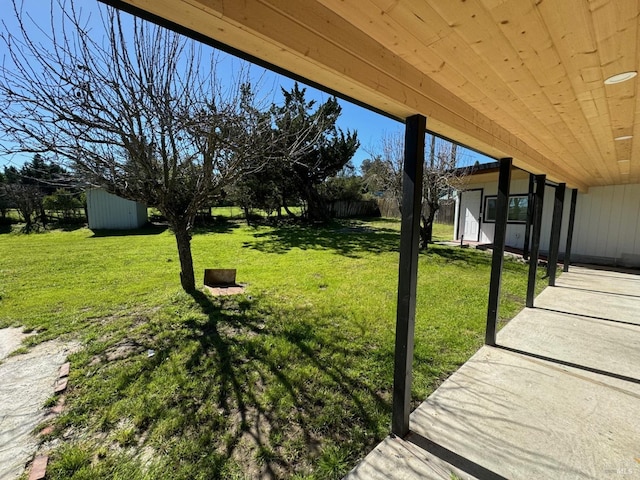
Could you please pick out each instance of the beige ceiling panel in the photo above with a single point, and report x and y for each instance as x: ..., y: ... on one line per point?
x: 464, y: 59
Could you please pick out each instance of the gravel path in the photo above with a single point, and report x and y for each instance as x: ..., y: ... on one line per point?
x: 26, y: 382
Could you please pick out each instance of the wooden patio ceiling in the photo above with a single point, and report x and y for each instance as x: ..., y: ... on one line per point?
x: 511, y: 78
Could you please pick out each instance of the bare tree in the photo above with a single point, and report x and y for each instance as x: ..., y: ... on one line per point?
x: 26, y: 199
x: 383, y: 172
x: 129, y: 107
x: 441, y: 176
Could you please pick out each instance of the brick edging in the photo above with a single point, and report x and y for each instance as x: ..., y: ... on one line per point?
x: 39, y: 465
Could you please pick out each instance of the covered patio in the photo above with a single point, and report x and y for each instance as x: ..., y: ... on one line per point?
x: 549, y: 87
x: 554, y: 399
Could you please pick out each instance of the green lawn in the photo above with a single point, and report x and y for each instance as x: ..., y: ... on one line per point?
x: 292, y: 379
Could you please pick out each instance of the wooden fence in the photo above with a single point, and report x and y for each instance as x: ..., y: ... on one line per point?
x: 445, y: 214
x: 353, y: 208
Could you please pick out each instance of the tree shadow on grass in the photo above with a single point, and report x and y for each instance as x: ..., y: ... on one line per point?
x: 465, y: 256
x: 351, y: 239
x: 152, y: 229
x: 217, y: 225
x: 280, y: 396
x: 69, y: 226
x: 471, y: 257
x: 37, y: 228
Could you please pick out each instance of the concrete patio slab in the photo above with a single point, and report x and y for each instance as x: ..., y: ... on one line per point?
x: 557, y: 399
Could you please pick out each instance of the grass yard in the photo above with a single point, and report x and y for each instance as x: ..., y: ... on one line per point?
x: 291, y: 380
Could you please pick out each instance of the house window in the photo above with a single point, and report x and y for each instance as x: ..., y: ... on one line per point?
x: 517, y: 209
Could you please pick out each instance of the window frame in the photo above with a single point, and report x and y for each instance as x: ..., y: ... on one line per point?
x: 486, y: 209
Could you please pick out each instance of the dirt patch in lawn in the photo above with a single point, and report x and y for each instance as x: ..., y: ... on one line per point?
x: 27, y: 382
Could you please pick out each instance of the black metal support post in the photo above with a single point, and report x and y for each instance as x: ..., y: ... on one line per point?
x: 554, y: 241
x: 408, y: 272
x: 499, y: 237
x: 538, y: 203
x: 527, y: 228
x: 572, y: 219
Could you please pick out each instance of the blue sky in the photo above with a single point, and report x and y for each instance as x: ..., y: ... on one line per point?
x: 371, y: 127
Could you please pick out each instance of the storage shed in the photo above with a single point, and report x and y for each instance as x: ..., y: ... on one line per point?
x: 607, y: 218
x: 106, y: 211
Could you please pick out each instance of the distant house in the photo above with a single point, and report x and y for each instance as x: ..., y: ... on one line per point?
x: 607, y: 221
x: 110, y: 212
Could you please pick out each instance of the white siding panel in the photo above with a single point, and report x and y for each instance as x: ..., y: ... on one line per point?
x: 519, y: 187
x: 604, y: 200
x: 141, y: 215
x: 595, y: 223
x: 615, y: 216
x: 515, y: 235
x: 628, y: 220
x: 110, y: 212
x: 486, y: 234
x: 607, y: 225
x: 633, y: 240
x: 582, y: 223
x: 547, y: 217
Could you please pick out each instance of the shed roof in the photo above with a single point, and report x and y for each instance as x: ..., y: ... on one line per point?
x: 511, y: 78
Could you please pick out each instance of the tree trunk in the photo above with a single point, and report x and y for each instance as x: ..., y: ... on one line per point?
x: 426, y: 227
x: 317, y: 208
x: 43, y: 215
x: 289, y: 212
x: 247, y: 215
x: 28, y: 225
x: 183, y: 240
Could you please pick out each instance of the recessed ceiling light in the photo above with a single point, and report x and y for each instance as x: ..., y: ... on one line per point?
x: 624, y: 137
x: 620, y: 77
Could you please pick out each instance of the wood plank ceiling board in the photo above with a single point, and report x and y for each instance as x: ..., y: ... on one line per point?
x: 616, y: 29
x: 410, y: 44
x: 389, y: 21
x: 634, y: 143
x: 517, y: 78
x: 577, y: 48
x: 487, y: 34
x: 499, y: 138
x: 482, y: 86
x: 544, y: 54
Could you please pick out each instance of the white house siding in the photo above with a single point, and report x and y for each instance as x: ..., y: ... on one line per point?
x: 515, y: 232
x: 606, y: 228
x: 110, y: 212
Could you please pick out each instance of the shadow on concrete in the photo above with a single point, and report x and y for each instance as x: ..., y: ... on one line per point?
x: 570, y: 364
x: 603, y: 292
x: 468, y: 466
x: 591, y: 317
x: 604, y: 270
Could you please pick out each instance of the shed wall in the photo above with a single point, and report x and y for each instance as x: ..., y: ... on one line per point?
x: 110, y: 212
